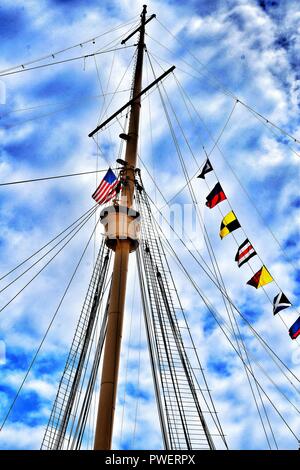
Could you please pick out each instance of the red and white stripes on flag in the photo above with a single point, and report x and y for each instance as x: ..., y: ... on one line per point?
x: 107, y: 188
x: 244, y: 253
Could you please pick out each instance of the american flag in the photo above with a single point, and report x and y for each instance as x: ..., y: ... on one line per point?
x: 107, y: 188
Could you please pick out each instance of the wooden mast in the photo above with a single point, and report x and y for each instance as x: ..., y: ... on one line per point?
x: 122, y: 247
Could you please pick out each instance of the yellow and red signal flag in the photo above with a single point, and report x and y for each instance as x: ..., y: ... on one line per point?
x: 261, y: 278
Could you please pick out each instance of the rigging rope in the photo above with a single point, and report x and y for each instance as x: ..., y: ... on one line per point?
x: 138, y: 380
x: 119, y: 84
x: 213, y: 411
x: 81, y: 423
x: 165, y: 427
x: 217, y: 272
x: 32, y: 180
x: 210, y: 275
x: 219, y: 322
x: 97, y: 148
x: 166, y: 269
x: 70, y: 103
x: 215, y: 144
x: 81, y: 223
x: 104, y: 112
x: 226, y: 91
x: 127, y: 362
x: 45, y: 265
x: 103, y: 109
x: 41, y: 116
x: 124, y: 113
x: 97, y: 337
x: 249, y: 262
x: 51, y: 54
x: 71, y: 59
x: 47, y: 330
x: 107, y: 85
x: 47, y: 244
x: 261, y: 119
x: 196, y: 173
x: 221, y: 212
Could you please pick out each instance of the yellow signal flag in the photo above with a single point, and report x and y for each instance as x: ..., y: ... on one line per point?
x: 229, y: 224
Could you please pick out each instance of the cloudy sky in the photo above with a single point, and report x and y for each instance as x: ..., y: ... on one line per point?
x: 223, y: 51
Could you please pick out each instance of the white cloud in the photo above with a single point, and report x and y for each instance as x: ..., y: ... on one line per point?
x: 259, y: 82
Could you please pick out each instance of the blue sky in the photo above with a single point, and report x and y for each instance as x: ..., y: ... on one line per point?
x: 247, y: 47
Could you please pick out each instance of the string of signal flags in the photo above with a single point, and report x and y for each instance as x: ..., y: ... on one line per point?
x: 246, y: 250
x: 110, y: 186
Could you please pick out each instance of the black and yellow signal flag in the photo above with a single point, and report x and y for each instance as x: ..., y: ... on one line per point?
x: 215, y: 196
x: 206, y: 169
x: 261, y: 278
x: 280, y: 302
x: 229, y: 224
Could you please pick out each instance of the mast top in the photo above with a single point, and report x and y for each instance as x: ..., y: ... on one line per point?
x: 143, y: 22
